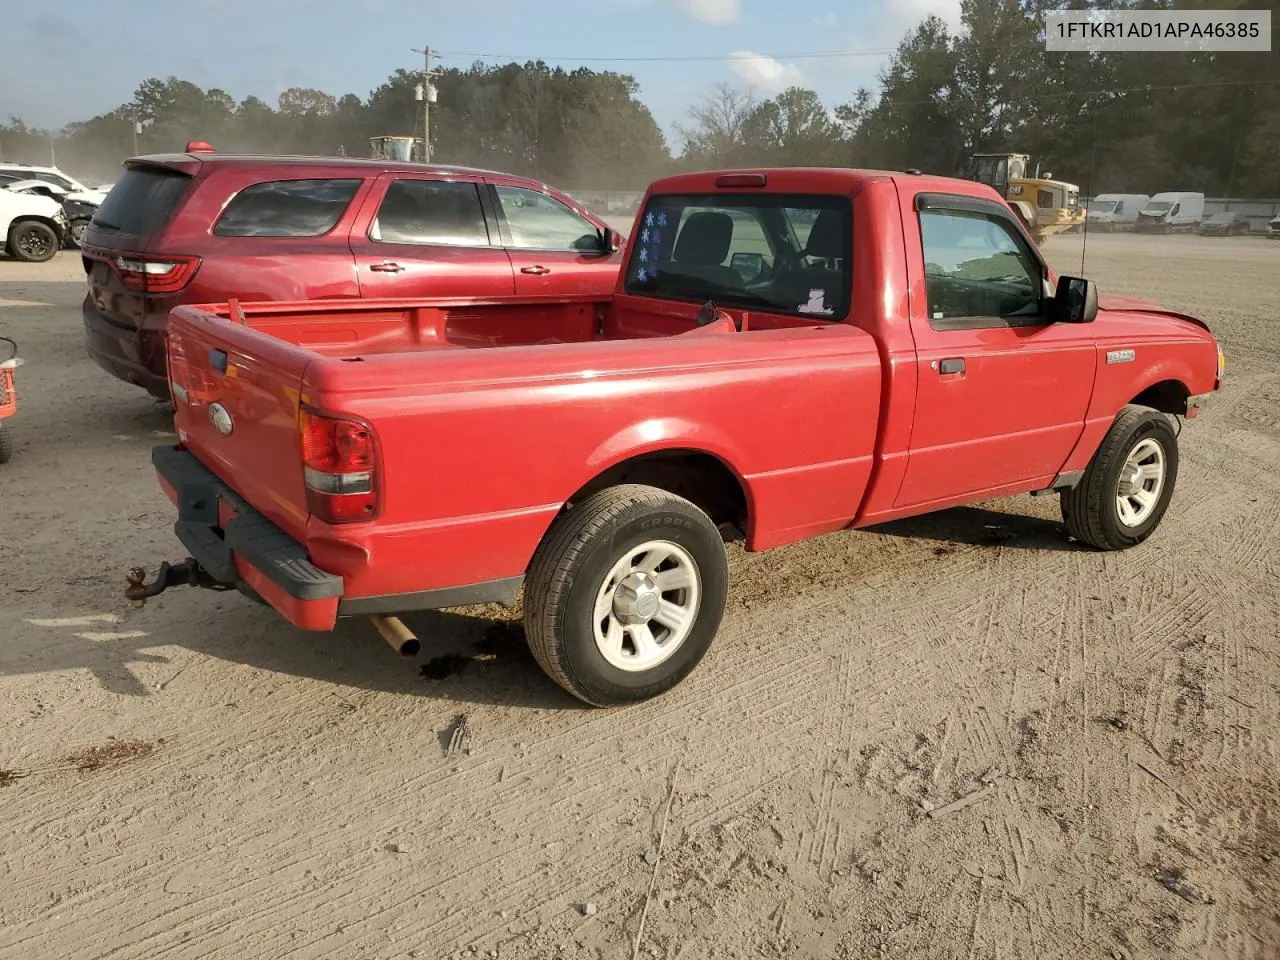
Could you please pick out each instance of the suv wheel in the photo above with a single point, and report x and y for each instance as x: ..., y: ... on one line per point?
x: 78, y: 227
x: 32, y: 241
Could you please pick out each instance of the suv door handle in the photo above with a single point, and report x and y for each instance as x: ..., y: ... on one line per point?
x: 536, y: 271
x: 386, y: 267
x: 951, y: 365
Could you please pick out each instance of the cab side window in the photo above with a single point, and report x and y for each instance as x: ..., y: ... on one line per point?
x: 978, y: 271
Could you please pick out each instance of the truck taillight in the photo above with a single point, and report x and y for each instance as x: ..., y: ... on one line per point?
x: 155, y: 274
x: 340, y: 465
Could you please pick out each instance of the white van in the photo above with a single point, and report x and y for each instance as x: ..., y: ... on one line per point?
x: 1169, y: 212
x: 1115, y: 211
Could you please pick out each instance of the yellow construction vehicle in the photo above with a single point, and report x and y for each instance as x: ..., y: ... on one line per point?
x: 395, y: 148
x: 1046, y: 206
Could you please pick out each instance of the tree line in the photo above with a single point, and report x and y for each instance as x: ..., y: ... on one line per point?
x: 1116, y: 122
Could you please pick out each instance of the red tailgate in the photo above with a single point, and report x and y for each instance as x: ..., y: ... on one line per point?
x: 236, y: 396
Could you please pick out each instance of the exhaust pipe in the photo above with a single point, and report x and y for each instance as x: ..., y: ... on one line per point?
x: 397, y: 634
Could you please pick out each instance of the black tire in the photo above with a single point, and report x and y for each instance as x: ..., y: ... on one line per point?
x: 6, y: 445
x: 75, y: 233
x: 569, y: 571
x: 32, y: 241
x: 1090, y: 509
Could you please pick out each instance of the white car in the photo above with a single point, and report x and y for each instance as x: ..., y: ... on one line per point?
x: 1273, y: 229
x: 32, y: 228
x: 74, y: 188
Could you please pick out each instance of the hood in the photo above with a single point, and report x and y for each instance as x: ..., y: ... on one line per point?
x: 94, y: 197
x: 33, y: 203
x: 1115, y: 301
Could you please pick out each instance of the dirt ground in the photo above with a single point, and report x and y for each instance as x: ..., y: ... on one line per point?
x: 955, y: 737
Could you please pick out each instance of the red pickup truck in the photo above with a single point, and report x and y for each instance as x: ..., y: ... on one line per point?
x: 788, y: 353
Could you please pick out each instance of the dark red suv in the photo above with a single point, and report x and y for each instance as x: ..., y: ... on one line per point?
x: 203, y: 227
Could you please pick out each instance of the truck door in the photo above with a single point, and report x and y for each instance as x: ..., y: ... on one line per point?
x: 421, y: 235
x: 1002, y: 392
x: 554, y: 250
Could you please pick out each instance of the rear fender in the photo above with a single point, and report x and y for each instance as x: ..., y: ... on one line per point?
x: 674, y: 435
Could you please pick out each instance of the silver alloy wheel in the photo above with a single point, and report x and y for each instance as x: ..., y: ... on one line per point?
x: 32, y: 242
x: 646, y: 606
x: 1141, y: 480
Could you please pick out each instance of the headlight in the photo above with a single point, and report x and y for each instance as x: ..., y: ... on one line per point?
x: 1222, y: 363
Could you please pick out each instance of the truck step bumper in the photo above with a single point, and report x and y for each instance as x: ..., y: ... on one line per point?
x: 250, y: 553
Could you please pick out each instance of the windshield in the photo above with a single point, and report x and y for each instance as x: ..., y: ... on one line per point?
x: 1102, y: 206
x: 1156, y: 206
x: 783, y: 253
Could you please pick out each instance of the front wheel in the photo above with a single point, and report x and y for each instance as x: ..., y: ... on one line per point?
x: 33, y: 241
x: 1126, y: 488
x: 78, y: 227
x: 625, y: 594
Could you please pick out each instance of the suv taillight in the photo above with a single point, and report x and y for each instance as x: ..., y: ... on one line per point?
x: 155, y: 274
x: 340, y: 464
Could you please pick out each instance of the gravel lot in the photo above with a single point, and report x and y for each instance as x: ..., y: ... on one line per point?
x: 198, y: 779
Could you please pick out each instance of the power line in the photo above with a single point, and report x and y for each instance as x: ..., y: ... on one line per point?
x: 1146, y: 88
x: 696, y: 58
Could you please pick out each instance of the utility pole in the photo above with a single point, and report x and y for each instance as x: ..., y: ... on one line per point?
x: 427, y: 96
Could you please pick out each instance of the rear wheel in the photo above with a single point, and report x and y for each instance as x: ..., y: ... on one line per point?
x: 625, y: 594
x: 6, y: 445
x: 1126, y: 488
x: 32, y: 241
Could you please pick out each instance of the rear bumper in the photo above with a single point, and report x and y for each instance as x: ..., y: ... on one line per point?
x: 249, y: 551
x: 134, y: 356
x: 233, y: 545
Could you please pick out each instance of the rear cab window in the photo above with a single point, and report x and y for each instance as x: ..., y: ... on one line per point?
x: 286, y: 208
x: 142, y: 201
x: 785, y: 253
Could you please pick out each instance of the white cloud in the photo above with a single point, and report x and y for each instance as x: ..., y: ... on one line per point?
x: 881, y: 32
x: 766, y: 74
x: 711, y: 11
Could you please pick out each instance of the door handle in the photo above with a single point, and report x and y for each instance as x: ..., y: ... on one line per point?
x: 951, y: 365
x: 536, y: 271
x: 386, y: 267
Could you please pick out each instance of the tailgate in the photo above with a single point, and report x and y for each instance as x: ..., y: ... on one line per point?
x: 236, y: 398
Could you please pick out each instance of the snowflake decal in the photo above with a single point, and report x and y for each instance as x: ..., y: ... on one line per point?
x: 643, y: 274
x: 644, y: 236
x: 662, y: 219
x: 648, y: 220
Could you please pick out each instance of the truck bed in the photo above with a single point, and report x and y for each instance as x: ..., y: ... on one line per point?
x: 373, y: 327
x: 792, y: 404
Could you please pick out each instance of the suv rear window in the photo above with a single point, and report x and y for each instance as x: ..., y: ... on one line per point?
x: 286, y: 208
x: 783, y: 253
x: 141, y: 201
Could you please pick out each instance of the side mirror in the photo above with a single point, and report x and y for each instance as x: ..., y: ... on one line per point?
x: 610, y: 241
x: 1075, y: 300
x: 747, y: 265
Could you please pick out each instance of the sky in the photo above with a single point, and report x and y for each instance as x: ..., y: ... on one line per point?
x: 78, y: 58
